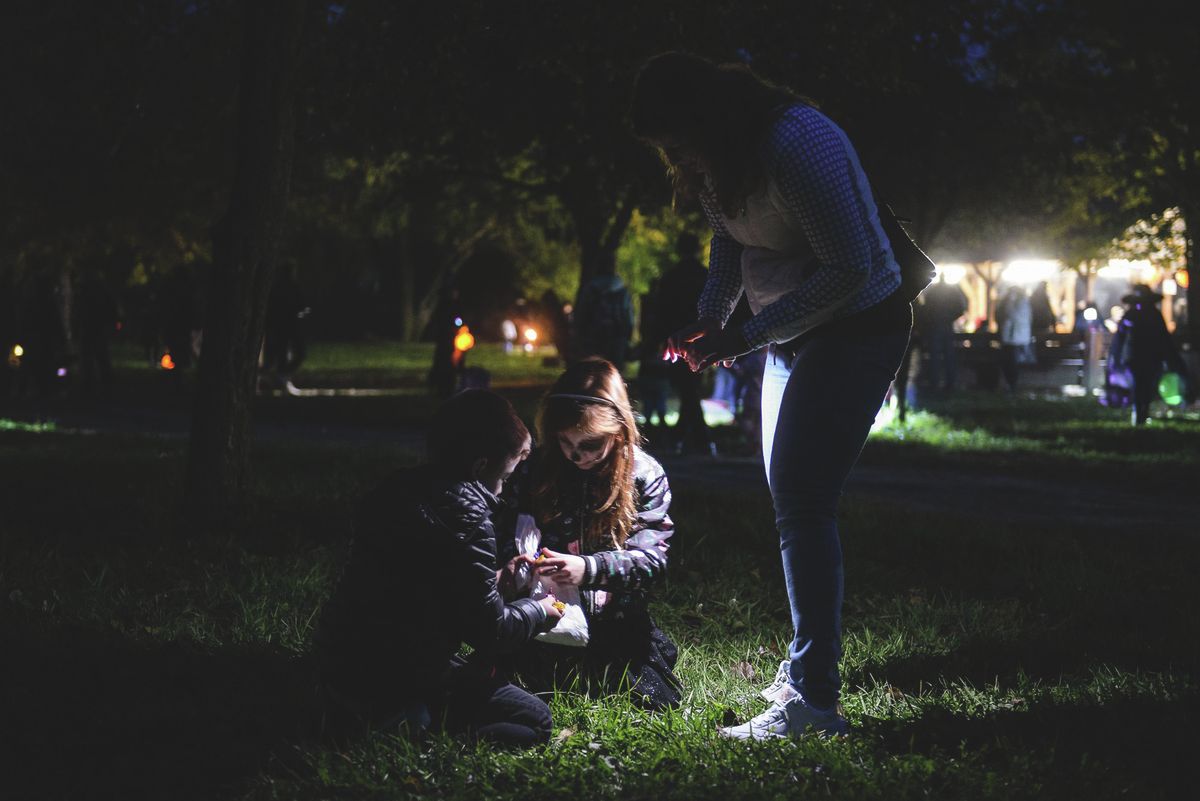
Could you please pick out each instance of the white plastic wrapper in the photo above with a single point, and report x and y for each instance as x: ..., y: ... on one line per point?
x: 572, y: 627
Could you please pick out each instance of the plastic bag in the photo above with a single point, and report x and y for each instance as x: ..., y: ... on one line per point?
x: 572, y: 627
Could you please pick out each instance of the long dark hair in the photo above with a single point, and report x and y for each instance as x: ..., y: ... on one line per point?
x: 613, y: 506
x: 721, y: 111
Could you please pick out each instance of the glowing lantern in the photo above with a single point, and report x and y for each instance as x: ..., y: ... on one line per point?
x: 1170, y: 388
x: 166, y: 362
x: 1181, y: 279
x: 531, y: 335
x: 464, y: 340
x: 18, y: 351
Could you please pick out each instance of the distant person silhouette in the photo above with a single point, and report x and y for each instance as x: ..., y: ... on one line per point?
x: 653, y: 383
x: 940, y: 307
x: 603, y: 319
x: 679, y: 291
x: 447, y: 319
x: 1016, y: 334
x: 179, y: 317
x: 284, y: 344
x: 1043, y: 320
x: 558, y: 326
x: 1143, y: 349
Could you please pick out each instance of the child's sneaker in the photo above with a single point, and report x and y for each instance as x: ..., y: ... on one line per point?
x: 780, y: 690
x: 794, y: 718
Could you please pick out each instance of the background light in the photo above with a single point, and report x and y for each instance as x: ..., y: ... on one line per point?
x: 531, y: 335
x: 1030, y: 271
x: 952, y: 272
x: 1090, y: 314
x: 1140, y: 270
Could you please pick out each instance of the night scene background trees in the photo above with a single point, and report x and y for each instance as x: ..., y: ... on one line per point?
x: 485, y: 145
x: 1020, y: 604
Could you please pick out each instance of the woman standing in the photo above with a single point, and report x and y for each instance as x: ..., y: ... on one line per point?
x: 795, y: 226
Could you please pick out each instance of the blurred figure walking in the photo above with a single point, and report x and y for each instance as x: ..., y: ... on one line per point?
x: 941, y: 305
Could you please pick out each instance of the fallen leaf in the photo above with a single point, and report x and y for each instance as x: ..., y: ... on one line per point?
x: 744, y: 670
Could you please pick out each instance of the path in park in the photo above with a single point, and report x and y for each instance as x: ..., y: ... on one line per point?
x: 968, y: 494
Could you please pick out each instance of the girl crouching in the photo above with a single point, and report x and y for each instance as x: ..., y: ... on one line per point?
x: 601, y: 505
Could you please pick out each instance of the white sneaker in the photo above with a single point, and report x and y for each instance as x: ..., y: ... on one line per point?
x: 772, y: 723
x: 794, y: 718
x: 780, y: 689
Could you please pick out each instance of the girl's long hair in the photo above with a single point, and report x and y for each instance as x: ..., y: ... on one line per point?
x: 721, y: 111
x: 610, y: 509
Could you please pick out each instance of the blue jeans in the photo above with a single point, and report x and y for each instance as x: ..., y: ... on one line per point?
x: 816, y: 414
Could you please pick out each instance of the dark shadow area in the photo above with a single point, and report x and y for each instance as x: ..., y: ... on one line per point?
x: 1048, y: 657
x: 1129, y: 748
x: 88, y: 714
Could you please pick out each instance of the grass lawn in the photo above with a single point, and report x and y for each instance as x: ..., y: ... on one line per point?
x: 1053, y: 661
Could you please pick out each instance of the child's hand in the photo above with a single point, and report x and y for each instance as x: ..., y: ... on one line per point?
x: 553, y: 606
x: 506, y: 577
x: 562, y: 567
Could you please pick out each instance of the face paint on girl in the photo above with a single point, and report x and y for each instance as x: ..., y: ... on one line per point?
x: 585, y: 451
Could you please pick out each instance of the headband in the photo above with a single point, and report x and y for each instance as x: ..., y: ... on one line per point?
x: 584, y: 399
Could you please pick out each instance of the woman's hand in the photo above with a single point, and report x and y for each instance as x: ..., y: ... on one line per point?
x: 562, y: 567
x: 723, y: 346
x: 677, y: 343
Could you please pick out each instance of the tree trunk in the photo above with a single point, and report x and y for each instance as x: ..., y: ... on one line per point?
x: 599, y: 230
x: 409, y: 330
x: 245, y: 242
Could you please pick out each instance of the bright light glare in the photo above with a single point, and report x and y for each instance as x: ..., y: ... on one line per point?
x: 1090, y: 314
x: 531, y: 335
x: 464, y: 340
x: 952, y: 272
x: 1030, y: 271
x: 1127, y: 270
x: 884, y: 418
x: 166, y: 362
x: 18, y: 351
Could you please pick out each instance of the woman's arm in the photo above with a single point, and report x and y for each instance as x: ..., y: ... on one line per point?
x: 723, y: 287
x: 644, y: 558
x: 818, y: 177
